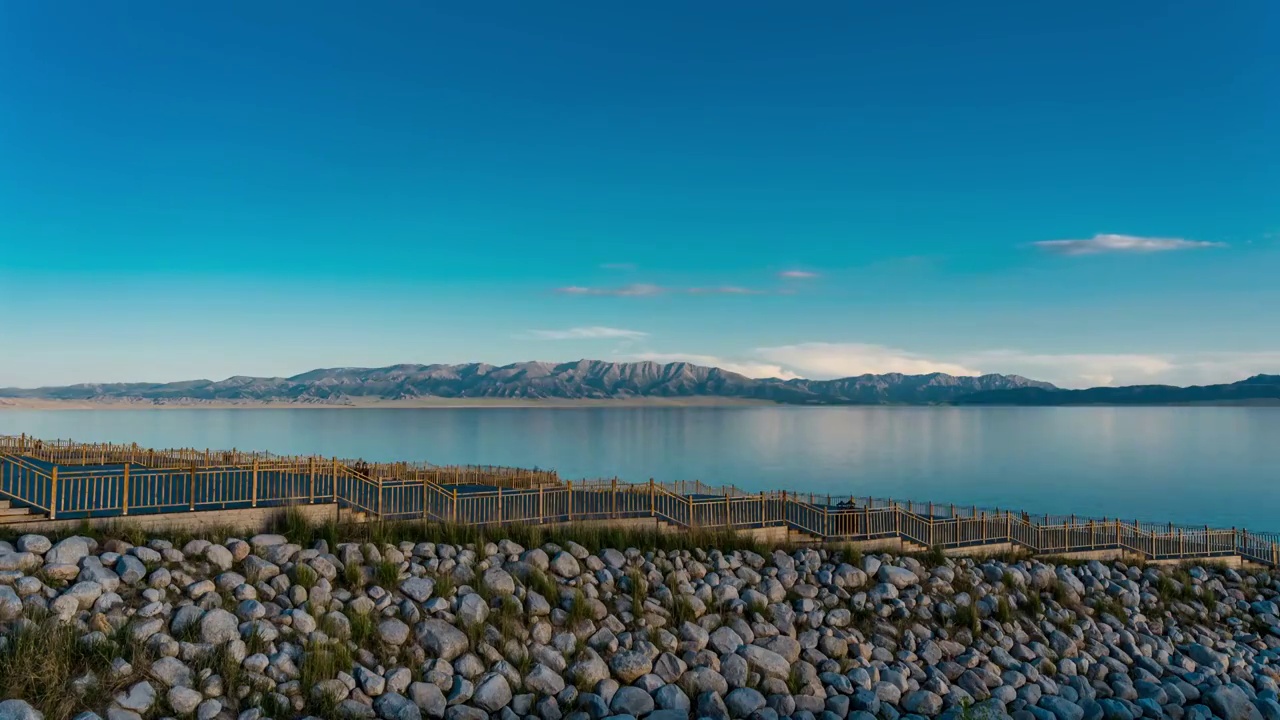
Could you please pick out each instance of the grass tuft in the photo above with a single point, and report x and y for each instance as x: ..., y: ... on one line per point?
x: 387, y: 574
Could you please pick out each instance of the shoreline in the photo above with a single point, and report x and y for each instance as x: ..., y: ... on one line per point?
x: 372, y: 404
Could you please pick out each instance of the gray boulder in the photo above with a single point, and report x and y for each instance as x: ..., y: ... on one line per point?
x: 394, y: 706
x: 631, y: 700
x: 492, y: 693
x: 1231, y: 703
x: 441, y: 639
x: 19, y: 709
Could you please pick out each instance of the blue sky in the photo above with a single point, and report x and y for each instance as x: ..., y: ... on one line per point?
x: 265, y: 188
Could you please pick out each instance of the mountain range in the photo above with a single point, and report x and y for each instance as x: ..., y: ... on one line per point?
x: 600, y: 380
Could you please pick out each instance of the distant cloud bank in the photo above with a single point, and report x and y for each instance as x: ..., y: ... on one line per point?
x: 1121, y: 244
x: 823, y: 360
x: 594, y: 332
x: 646, y: 290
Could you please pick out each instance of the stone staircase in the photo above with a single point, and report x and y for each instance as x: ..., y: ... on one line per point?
x: 10, y: 515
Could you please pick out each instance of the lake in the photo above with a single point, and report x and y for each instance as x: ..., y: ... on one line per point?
x: 1214, y: 465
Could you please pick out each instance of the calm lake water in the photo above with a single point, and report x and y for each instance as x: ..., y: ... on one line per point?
x: 1219, y: 466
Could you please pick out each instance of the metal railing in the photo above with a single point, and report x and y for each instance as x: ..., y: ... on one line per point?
x: 64, y: 480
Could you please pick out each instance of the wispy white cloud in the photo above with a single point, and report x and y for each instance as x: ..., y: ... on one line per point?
x: 821, y: 360
x: 743, y: 367
x: 724, y: 290
x: 594, y: 332
x: 832, y: 360
x: 1122, y: 244
x: 797, y: 275
x: 646, y: 290
x: 632, y: 290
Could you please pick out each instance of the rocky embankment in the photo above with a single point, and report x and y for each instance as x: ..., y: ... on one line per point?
x: 261, y: 627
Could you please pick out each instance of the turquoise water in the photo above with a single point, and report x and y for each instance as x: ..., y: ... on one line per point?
x: 1219, y: 466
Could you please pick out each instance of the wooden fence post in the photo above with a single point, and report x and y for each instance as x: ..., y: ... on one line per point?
x: 311, y: 481
x: 253, y: 502
x: 570, y: 484
x: 500, y: 518
x: 613, y: 510
x: 191, y: 487
x: 652, y: 499
x: 542, y: 518
x: 124, y: 492
x: 454, y: 509
x: 425, y: 498
x: 53, y: 493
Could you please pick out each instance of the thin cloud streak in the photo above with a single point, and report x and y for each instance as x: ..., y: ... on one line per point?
x: 797, y: 275
x: 724, y: 290
x: 1121, y: 244
x: 647, y: 290
x: 633, y: 290
x: 594, y: 332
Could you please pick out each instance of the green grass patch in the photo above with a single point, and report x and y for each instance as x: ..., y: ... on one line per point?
x: 361, y: 628
x: 387, y: 574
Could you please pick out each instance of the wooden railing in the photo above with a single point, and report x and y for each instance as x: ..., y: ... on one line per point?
x: 66, y: 480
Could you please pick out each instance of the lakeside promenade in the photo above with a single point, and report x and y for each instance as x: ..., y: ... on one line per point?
x: 54, y: 480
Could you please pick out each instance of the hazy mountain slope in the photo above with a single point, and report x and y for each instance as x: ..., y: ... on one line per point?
x: 584, y: 379
x: 1259, y: 388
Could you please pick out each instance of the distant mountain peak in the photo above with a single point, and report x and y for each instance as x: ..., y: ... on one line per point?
x: 577, y: 379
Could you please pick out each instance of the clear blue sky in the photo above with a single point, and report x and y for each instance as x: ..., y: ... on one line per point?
x: 201, y: 190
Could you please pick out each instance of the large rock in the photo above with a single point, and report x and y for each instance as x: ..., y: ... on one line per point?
x: 441, y: 639
x: 498, y: 581
x: 140, y: 698
x: 767, y: 662
x: 10, y: 603
x: 1062, y: 709
x: 37, y: 544
x: 23, y: 561
x: 631, y: 700
x: 724, y: 640
x: 492, y: 693
x: 394, y: 706
x: 588, y: 669
x: 900, y: 578
x: 630, y: 665
x: 1231, y: 703
x: 472, y: 609
x: 172, y: 673
x: 543, y: 680
x: 218, y: 627
x: 19, y: 709
x: 565, y: 565
x: 393, y: 632
x: 219, y: 557
x: 1209, y: 658
x: 921, y: 702
x: 263, y: 541
x: 743, y: 701
x: 71, y: 550
x: 429, y: 698
x: 418, y: 589
x: 184, y: 700
x: 130, y: 569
